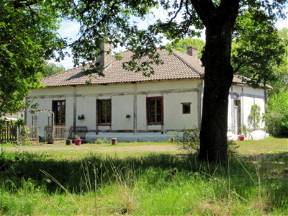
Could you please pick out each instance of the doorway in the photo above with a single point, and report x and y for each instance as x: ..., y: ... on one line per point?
x: 236, y: 112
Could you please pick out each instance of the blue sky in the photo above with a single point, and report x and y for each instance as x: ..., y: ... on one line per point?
x: 69, y: 29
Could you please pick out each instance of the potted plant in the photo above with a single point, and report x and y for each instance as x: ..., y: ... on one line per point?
x: 77, y: 140
x: 241, y: 137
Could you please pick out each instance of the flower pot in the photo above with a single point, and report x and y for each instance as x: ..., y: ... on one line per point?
x: 77, y: 141
x: 241, y: 137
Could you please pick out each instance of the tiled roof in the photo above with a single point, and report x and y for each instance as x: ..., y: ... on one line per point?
x: 175, y: 66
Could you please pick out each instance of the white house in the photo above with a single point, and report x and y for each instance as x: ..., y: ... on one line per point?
x: 127, y: 104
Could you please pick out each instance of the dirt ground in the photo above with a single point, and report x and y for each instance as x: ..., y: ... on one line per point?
x: 99, y: 148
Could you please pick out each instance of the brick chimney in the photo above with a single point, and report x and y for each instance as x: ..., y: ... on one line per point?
x: 191, y: 51
x: 104, y: 57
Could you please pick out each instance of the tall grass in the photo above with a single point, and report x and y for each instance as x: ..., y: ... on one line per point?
x: 32, y: 184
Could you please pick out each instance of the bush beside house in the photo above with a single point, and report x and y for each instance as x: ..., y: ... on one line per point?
x: 277, y: 115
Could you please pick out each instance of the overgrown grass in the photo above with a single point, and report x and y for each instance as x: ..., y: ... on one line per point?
x: 145, y: 184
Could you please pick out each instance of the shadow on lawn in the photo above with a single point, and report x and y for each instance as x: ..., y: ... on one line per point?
x: 93, y: 172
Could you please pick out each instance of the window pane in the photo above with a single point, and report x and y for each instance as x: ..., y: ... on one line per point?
x: 154, y: 110
x: 104, y: 111
x: 59, y: 108
x: 186, y: 108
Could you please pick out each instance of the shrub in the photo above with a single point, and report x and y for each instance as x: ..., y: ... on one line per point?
x: 277, y: 115
x: 254, y: 116
x: 102, y: 141
x: 190, y: 142
x: 24, y: 135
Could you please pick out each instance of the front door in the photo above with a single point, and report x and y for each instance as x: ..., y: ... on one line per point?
x: 237, y: 116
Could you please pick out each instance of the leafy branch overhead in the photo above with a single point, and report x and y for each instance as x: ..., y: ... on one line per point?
x: 115, y: 22
x: 257, y: 48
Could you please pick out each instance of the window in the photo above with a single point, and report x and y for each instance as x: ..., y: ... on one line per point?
x: 236, y: 102
x: 186, y: 108
x: 104, y: 112
x: 58, y: 108
x: 154, y: 110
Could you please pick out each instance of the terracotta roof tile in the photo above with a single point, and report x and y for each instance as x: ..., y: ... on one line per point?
x: 176, y: 66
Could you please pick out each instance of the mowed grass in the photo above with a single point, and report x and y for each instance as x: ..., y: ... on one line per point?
x: 269, y: 145
x: 143, y: 179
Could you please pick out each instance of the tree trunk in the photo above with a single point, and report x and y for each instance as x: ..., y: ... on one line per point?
x: 217, y: 82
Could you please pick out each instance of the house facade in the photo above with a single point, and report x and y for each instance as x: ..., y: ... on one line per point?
x: 124, y: 102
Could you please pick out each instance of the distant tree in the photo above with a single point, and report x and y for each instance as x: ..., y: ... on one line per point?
x: 281, y: 71
x: 277, y: 114
x: 257, y: 48
x: 51, y: 69
x: 28, y: 37
x: 182, y: 45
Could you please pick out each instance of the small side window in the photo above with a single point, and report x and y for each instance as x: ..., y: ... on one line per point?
x: 186, y: 108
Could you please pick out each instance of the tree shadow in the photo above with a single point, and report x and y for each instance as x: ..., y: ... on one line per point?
x: 273, y: 174
x: 94, y: 172
x: 73, y: 175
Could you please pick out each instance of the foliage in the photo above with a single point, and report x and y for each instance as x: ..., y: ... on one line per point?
x: 28, y: 37
x: 277, y: 114
x: 257, y: 48
x: 182, y: 45
x: 281, y: 71
x: 254, y: 117
x: 24, y: 135
x: 114, y: 22
x: 189, y: 140
x: 36, y: 184
x: 244, y: 130
x: 102, y: 141
x: 51, y: 69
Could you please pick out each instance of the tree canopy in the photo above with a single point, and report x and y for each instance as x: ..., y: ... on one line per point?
x: 51, y: 69
x: 28, y: 37
x: 281, y: 71
x: 183, y: 44
x: 257, y: 49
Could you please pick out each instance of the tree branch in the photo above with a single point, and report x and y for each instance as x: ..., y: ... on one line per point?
x: 177, y: 12
x: 229, y: 8
x: 21, y: 4
x: 205, y: 9
x: 187, y: 8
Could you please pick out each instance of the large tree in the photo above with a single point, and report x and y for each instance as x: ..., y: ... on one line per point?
x: 113, y: 21
x: 27, y: 37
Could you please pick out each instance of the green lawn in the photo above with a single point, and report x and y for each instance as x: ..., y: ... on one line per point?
x: 266, y: 146
x: 142, y: 179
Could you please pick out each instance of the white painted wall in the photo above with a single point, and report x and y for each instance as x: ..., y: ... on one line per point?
x: 248, y: 97
x: 174, y: 92
x: 122, y: 96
